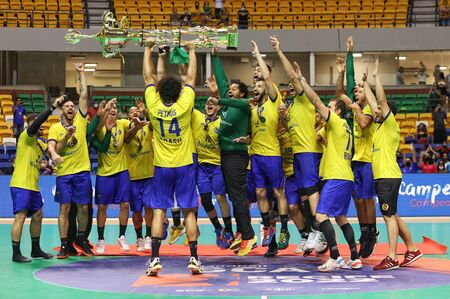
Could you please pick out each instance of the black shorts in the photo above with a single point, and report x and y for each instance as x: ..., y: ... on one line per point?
x: 387, y: 192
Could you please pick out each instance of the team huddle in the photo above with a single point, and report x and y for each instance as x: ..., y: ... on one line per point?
x: 290, y: 154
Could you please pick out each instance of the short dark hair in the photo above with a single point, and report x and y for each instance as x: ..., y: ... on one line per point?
x: 393, y: 107
x: 243, y: 88
x: 169, y: 89
x: 341, y: 106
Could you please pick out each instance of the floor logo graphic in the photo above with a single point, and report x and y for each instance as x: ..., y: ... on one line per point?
x: 223, y: 276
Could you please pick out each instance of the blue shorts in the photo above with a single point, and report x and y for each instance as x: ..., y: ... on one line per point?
x: 210, y: 179
x: 364, y: 181
x: 171, y: 181
x: 24, y: 199
x: 76, y: 188
x: 112, y: 189
x: 141, y: 194
x: 335, y: 197
x: 267, y: 169
x: 306, y: 169
x: 290, y: 189
x: 251, y: 190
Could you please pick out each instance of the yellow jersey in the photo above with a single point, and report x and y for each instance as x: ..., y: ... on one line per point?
x: 337, y: 155
x: 114, y: 160
x: 386, y: 140
x: 28, y: 162
x: 286, y: 154
x: 139, y: 152
x: 206, y: 139
x: 363, y: 138
x: 264, y: 126
x: 76, y: 153
x: 301, y: 125
x: 172, y: 127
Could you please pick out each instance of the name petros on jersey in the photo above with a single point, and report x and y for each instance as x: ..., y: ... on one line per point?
x: 167, y: 113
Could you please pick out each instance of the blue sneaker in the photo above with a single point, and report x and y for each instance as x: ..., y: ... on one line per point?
x: 219, y: 237
x: 268, y: 234
x: 228, y: 238
x: 165, y: 227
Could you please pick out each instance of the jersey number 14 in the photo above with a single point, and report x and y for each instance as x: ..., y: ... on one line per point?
x: 174, y: 128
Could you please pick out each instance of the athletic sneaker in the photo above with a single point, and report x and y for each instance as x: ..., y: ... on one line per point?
x: 148, y: 244
x: 301, y: 246
x: 63, y: 253
x: 411, y: 257
x: 175, y: 233
x: 154, y: 266
x: 228, y: 239
x: 253, y: 247
x: 311, y: 243
x: 332, y: 265
x: 123, y: 243
x: 237, y: 241
x: 140, y: 243
x: 195, y: 266
x: 272, y: 250
x: 268, y: 234
x: 284, y: 240
x: 82, y: 246
x: 321, y: 243
x: 353, y: 264
x: 101, y: 246
x: 247, y: 246
x: 20, y: 259
x: 368, y: 247
x: 165, y: 227
x: 387, y: 264
x: 219, y: 237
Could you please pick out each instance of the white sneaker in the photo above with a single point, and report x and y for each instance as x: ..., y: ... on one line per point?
x: 140, y: 244
x: 300, y: 248
x: 154, y: 266
x: 148, y: 244
x: 321, y: 243
x: 123, y: 243
x: 101, y: 245
x: 353, y: 264
x: 195, y: 266
x: 311, y: 243
x: 332, y: 265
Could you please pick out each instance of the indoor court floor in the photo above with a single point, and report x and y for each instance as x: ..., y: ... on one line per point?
x: 225, y: 275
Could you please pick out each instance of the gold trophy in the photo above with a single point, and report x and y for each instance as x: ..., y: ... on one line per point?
x: 114, y: 36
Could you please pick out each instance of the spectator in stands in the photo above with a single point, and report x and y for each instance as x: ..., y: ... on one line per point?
x: 92, y: 111
x: 444, y: 158
x: 421, y: 75
x: 224, y: 17
x: 18, y: 121
x: 400, y: 160
x: 442, y: 87
x: 410, y: 165
x: 206, y: 13
x: 185, y: 18
x: 243, y: 17
x: 219, y: 7
x: 441, y: 167
x: 123, y: 114
x: 439, y: 118
x: 436, y: 72
x: 442, y: 149
x: 426, y: 163
x: 174, y: 18
x: 444, y: 15
x: 421, y: 135
x: 399, y: 76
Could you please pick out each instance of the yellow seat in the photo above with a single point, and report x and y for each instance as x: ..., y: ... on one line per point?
x: 408, y: 124
x: 405, y: 148
x: 39, y: 5
x: 412, y: 116
x: 400, y: 116
x: 27, y: 5
x: 15, y: 4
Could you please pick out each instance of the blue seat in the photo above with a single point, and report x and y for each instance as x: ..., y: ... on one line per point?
x: 6, y: 166
x: 419, y: 147
x: 10, y: 150
x: 4, y: 158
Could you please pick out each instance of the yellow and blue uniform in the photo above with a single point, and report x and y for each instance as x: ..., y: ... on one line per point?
x: 112, y: 185
x: 307, y: 151
x: 264, y: 151
x: 206, y: 139
x: 290, y: 185
x: 174, y: 168
x: 362, y: 158
x: 335, y: 168
x: 139, y: 157
x: 24, y: 182
x: 73, y: 181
